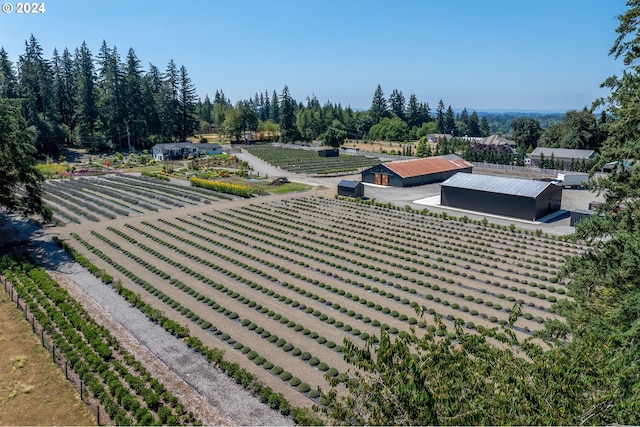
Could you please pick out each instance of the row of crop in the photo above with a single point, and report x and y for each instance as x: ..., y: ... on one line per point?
x: 484, y: 227
x: 366, y: 244
x: 381, y: 227
x: 317, y: 249
x: 297, y: 327
x: 97, y: 187
x: 69, y: 206
x: 370, y: 304
x: 63, y: 191
x: 212, y: 355
x: 165, y: 189
x: 246, y: 323
x: 191, y: 193
x: 222, y: 187
x: 92, y: 352
x: 407, y: 214
x: 146, y: 193
x: 222, y: 289
x: 308, y: 161
x: 391, y: 273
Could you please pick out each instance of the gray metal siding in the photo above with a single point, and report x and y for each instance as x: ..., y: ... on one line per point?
x: 529, y: 208
x: 493, y: 203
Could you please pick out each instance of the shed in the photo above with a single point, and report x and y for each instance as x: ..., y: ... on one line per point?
x: 580, y: 215
x: 329, y: 152
x: 512, y: 197
x: 563, y: 156
x: 409, y: 173
x: 350, y: 188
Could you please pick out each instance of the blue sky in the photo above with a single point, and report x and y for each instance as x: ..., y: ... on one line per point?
x: 478, y: 54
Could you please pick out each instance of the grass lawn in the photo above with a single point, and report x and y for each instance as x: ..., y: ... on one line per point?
x: 52, y: 169
x: 150, y: 169
x: 265, y: 185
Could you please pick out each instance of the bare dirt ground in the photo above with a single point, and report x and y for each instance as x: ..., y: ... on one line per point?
x: 29, y: 378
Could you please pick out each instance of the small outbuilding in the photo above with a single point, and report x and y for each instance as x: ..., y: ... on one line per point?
x: 350, y: 188
x: 409, y: 173
x: 329, y: 152
x: 512, y: 197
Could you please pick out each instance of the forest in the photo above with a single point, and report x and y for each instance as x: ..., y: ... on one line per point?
x: 103, y: 102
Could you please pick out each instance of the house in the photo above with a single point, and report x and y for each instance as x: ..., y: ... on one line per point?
x: 496, y: 142
x: 563, y: 157
x: 182, y: 150
x: 408, y: 173
x: 437, y: 138
x: 350, y: 188
x: 512, y: 197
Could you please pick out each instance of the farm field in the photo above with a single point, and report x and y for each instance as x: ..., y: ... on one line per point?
x: 279, y: 281
x: 95, y: 199
x: 309, y: 162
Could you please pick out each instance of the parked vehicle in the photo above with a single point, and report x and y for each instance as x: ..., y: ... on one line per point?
x: 574, y: 179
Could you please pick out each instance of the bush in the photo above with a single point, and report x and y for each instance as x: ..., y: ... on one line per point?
x: 285, y: 376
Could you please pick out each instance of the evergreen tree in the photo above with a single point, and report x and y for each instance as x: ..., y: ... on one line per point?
x: 378, y: 109
x: 65, y: 92
x: 485, y: 129
x: 397, y: 104
x: 152, y: 95
x: 449, y: 121
x: 464, y: 117
x: 135, y: 116
x: 169, y: 103
x: 474, y: 125
x: 288, y: 128
x: 413, y: 112
x: 274, y: 112
x: 8, y: 78
x: 186, y: 113
x: 86, y: 112
x: 421, y: 149
x: 111, y: 96
x: 440, y: 124
x: 21, y: 183
x: 266, y: 109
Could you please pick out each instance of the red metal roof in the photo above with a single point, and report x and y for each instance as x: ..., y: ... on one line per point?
x: 426, y: 166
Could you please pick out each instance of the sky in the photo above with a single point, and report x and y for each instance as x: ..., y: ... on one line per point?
x: 531, y: 55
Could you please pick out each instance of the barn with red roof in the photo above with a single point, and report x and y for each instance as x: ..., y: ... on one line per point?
x: 409, y: 173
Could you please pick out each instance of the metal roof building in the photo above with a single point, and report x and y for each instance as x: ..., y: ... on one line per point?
x: 563, y: 155
x: 408, y: 173
x: 512, y: 197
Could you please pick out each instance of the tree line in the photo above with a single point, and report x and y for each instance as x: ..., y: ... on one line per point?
x: 100, y: 102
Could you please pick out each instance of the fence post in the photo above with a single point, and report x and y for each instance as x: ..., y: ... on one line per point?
x: 98, y: 414
x: 42, y: 336
x: 66, y: 372
x: 81, y: 396
x: 53, y: 352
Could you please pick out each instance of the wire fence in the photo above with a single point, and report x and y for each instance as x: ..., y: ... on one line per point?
x: 102, y: 418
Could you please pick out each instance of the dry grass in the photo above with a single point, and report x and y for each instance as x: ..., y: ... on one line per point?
x: 33, y: 390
